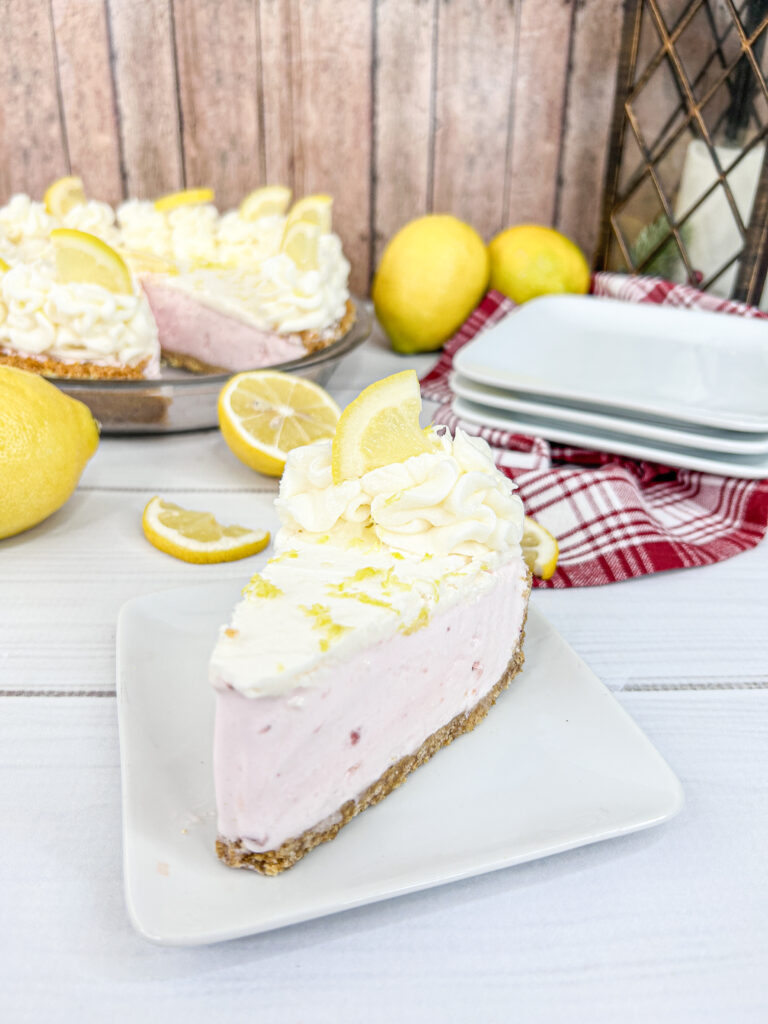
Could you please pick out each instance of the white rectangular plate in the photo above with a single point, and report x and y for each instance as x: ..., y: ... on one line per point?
x: 747, y: 467
x: 638, y: 425
x: 684, y: 364
x: 557, y: 764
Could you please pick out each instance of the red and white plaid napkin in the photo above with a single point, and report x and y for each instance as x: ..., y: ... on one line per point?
x: 615, y: 517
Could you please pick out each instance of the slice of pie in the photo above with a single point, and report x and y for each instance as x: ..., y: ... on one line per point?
x: 386, y: 625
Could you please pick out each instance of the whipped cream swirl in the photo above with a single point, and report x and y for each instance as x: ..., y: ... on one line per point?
x: 453, y: 501
x: 40, y: 316
x: 25, y: 228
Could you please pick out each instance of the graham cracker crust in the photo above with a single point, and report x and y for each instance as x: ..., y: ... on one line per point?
x: 272, y: 862
x: 313, y: 341
x: 72, y: 371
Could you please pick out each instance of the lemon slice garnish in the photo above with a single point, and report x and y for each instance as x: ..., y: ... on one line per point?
x: 264, y: 414
x: 62, y: 195
x: 147, y: 263
x: 187, y: 197
x: 198, y: 536
x: 300, y: 243
x: 380, y: 427
x: 84, y: 257
x: 265, y: 202
x: 540, y: 549
x: 3, y: 266
x: 315, y: 209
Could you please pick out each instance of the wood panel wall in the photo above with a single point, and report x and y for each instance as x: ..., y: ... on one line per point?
x: 495, y: 110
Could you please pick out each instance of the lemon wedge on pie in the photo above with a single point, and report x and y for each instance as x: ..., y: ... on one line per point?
x: 265, y: 202
x: 264, y: 414
x: 381, y: 426
x: 316, y: 209
x: 3, y: 266
x: 300, y: 243
x: 540, y: 549
x: 62, y: 195
x: 186, y: 197
x: 197, y: 536
x: 84, y: 257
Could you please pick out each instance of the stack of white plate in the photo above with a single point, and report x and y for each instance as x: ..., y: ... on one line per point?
x: 678, y: 386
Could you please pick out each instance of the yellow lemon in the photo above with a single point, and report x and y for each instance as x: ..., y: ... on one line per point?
x: 3, y: 266
x: 264, y: 414
x: 530, y: 260
x: 46, y: 439
x: 197, y: 536
x: 540, y: 549
x: 432, y: 275
x: 379, y: 427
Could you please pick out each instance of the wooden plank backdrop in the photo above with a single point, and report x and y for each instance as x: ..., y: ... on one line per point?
x: 495, y: 110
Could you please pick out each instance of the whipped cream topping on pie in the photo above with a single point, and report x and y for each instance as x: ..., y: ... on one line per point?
x: 276, y: 295
x: 43, y: 317
x: 357, y: 560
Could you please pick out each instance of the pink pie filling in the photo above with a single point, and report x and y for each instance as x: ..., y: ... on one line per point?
x: 285, y: 764
x: 188, y: 327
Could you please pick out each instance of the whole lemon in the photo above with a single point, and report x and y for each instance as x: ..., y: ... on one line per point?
x: 530, y: 260
x: 46, y: 438
x: 433, y: 273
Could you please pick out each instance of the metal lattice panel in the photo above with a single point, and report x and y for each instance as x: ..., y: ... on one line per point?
x: 687, y: 184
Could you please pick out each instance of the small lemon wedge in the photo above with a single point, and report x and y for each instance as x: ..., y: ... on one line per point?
x: 540, y: 549
x: 187, y: 197
x: 300, y: 243
x: 265, y: 202
x: 379, y: 427
x: 84, y: 257
x: 62, y: 195
x: 316, y: 209
x: 3, y: 266
x: 264, y: 414
x: 197, y: 536
x: 147, y: 262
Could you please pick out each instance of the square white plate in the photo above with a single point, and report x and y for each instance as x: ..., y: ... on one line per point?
x: 557, y: 764
x: 684, y: 364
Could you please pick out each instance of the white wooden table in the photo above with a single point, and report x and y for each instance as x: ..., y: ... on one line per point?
x: 666, y: 925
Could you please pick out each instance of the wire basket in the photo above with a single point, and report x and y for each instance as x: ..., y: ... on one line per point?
x: 686, y: 192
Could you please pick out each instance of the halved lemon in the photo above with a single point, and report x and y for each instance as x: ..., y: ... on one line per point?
x: 84, y: 257
x: 379, y: 427
x: 264, y: 414
x: 316, y: 209
x: 197, y: 536
x: 186, y: 197
x: 265, y: 202
x: 540, y: 549
x: 62, y: 195
x: 300, y: 243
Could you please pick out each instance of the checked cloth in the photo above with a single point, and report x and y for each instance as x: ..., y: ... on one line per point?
x: 615, y: 517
